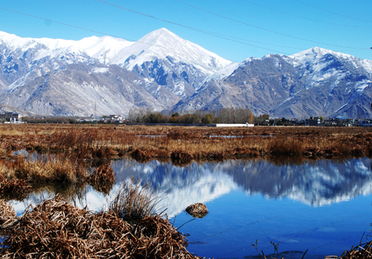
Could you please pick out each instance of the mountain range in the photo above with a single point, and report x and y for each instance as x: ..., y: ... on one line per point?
x: 161, y: 71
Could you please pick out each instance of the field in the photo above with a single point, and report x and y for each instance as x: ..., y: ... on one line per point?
x: 183, y: 144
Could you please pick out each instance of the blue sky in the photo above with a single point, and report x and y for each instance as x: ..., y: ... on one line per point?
x: 234, y: 29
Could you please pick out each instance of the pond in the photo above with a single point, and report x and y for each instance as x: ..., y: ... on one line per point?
x: 319, y: 208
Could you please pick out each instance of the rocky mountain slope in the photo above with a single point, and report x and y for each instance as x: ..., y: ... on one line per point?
x: 100, y: 75
x: 161, y: 71
x: 316, y: 82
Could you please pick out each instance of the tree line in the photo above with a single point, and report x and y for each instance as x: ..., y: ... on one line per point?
x: 225, y: 115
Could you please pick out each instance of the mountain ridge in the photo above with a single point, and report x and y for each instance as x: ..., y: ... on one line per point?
x: 167, y: 72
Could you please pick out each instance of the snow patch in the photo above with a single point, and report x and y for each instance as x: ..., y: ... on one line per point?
x: 100, y: 70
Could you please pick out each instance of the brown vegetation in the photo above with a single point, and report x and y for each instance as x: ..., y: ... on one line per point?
x: 181, y: 158
x: 17, y: 189
x: 63, y: 172
x: 69, y: 152
x: 55, y: 229
x: 6, y: 213
x: 97, y: 144
x: 19, y: 177
x: 103, y: 178
x: 133, y: 203
x: 363, y: 251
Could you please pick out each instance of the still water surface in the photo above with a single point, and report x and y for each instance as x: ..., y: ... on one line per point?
x: 322, y: 206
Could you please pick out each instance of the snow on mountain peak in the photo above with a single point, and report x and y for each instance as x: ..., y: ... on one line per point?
x: 104, y: 48
x: 160, y: 35
x: 159, y: 44
x: 317, y: 52
x: 163, y: 43
x: 314, y: 55
x: 14, y: 42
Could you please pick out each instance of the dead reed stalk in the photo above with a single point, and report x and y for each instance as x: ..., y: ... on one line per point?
x: 6, y: 213
x: 362, y: 251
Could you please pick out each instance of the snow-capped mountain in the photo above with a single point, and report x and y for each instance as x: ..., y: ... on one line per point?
x: 334, y: 85
x: 161, y: 71
x: 161, y: 44
x: 101, y: 75
x: 315, y: 82
x: 158, y: 44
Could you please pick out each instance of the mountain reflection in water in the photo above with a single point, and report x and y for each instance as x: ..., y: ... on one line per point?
x: 297, y: 205
x: 315, y: 183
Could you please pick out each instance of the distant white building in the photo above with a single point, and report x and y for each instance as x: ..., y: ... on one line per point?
x: 10, y: 117
x: 234, y: 125
x: 113, y: 118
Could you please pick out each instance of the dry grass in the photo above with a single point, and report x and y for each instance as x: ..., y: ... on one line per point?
x: 20, y: 177
x: 363, y: 251
x: 103, y: 178
x: 133, y: 203
x: 6, y: 213
x: 284, y: 147
x: 55, y: 229
x: 14, y: 189
x: 98, y: 143
x: 63, y: 172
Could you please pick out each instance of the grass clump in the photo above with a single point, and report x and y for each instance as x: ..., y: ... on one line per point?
x: 197, y: 210
x: 56, y: 229
x: 283, y: 147
x: 103, y: 178
x: 20, y: 177
x: 133, y: 203
x: 11, y: 187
